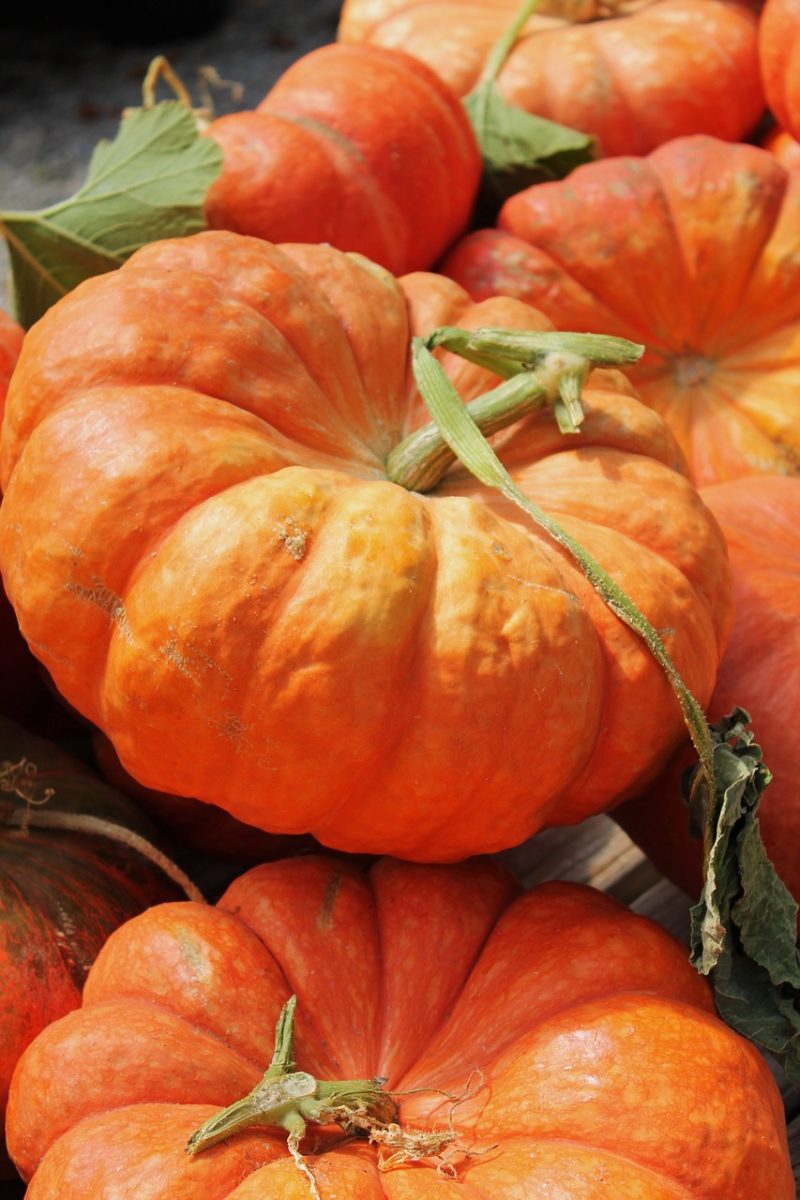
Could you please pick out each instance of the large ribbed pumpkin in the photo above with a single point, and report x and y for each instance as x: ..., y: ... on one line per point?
x: 694, y: 251
x: 634, y: 73
x: 201, y: 543
x: 358, y: 146
x: 569, y: 1042
x: 760, y: 671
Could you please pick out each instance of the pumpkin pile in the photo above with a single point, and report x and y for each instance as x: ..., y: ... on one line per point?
x: 334, y: 522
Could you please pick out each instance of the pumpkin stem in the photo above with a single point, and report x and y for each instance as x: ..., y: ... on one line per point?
x: 505, y: 43
x: 468, y: 443
x: 288, y: 1099
x: 538, y: 369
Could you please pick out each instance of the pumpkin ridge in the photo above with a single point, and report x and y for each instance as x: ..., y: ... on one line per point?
x: 326, y: 399
x: 458, y: 985
x: 626, y: 326
x: 709, y: 340
x: 143, y: 1003
x: 677, y: 1191
x: 389, y: 745
x: 348, y: 159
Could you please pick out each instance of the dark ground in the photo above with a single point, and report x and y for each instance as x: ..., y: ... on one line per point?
x: 65, y: 79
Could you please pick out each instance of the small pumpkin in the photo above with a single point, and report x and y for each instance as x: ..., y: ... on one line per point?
x: 694, y: 251
x: 634, y: 74
x: 72, y: 869
x: 779, y: 53
x: 760, y: 671
x: 555, y: 1042
x: 357, y: 146
x: 256, y: 615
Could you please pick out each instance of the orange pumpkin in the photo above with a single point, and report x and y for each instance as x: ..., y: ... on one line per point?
x: 357, y: 146
x: 695, y: 251
x: 760, y: 671
x: 240, y: 598
x: 561, y: 1045
x: 634, y: 74
x: 779, y: 52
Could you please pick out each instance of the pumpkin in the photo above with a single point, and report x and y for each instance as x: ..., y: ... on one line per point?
x: 633, y: 74
x: 785, y: 148
x: 693, y: 250
x: 11, y: 335
x: 70, y: 873
x: 256, y: 616
x: 357, y: 146
x: 779, y: 53
x: 559, y: 1044
x: 760, y: 671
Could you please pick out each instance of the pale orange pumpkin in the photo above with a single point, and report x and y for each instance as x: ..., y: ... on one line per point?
x: 693, y: 251
x: 635, y: 73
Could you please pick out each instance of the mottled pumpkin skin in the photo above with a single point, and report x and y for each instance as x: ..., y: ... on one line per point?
x: 600, y: 1055
x: 694, y: 251
x: 760, y: 671
x: 61, y: 892
x: 779, y: 52
x: 650, y: 72
x: 358, y: 146
x: 237, y: 596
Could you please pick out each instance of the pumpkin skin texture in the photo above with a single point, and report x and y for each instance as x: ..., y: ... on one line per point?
x: 256, y: 617
x: 605, y: 1063
x: 694, y: 251
x: 779, y: 53
x: 330, y: 155
x: 760, y: 517
x: 653, y: 72
x: 62, y: 891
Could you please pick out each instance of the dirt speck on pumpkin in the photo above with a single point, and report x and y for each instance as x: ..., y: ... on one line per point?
x: 293, y: 537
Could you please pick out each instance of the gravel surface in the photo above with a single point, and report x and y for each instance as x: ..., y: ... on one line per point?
x: 63, y: 86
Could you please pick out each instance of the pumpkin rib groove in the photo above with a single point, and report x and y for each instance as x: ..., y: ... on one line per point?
x: 626, y: 326
x: 458, y: 986
x: 712, y: 345
x: 347, y: 159
x: 308, y: 372
x: 417, y: 642
x: 142, y: 1003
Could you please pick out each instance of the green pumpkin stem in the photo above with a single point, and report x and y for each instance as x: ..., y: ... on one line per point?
x: 290, y: 1100
x: 538, y: 369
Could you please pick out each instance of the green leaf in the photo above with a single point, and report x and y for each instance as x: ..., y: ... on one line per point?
x: 744, y: 928
x: 519, y: 148
x: 150, y: 182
